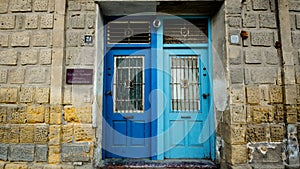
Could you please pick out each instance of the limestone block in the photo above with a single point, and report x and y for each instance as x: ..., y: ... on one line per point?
x: 8, y: 95
x: 250, y: 20
x: 3, y: 152
x: 262, y: 114
x: 8, y: 57
x: 260, y: 5
x: 16, y: 76
x: 296, y: 39
x: 261, y: 75
x: 4, y: 6
x: 16, y: 114
x: 47, y: 114
x: 35, y: 114
x: 78, y: 152
x: 3, y: 75
x: 67, y: 133
x: 20, y: 6
x: 26, y: 133
x: 271, y: 56
x: 7, y: 21
x: 21, y: 39
x: 16, y: 166
x: 91, y: 19
x: 267, y: 154
x: 41, y: 39
x: 290, y: 94
x: 74, y: 5
x: 84, y: 114
x: 297, y: 75
x: 253, y: 94
x: 29, y: 57
x: 47, y: 21
x: 236, y: 154
x: 40, y: 5
x: 41, y: 153
x: 77, y: 21
x: 26, y: 94
x: 276, y: 133
x: 67, y: 95
x: 279, y: 114
x: 275, y: 93
x: 83, y: 133
x: 73, y: 57
x: 233, y: 7
x: 55, y: 114
x: 90, y: 6
x: 45, y: 56
x: 3, y: 115
x: 72, y: 39
x: 54, y: 135
x: 257, y: 133
x: 31, y: 21
x: 37, y: 75
x: 42, y: 94
x: 41, y: 133
x: 262, y: 38
x: 54, y: 155
x: 267, y: 20
x: 294, y: 5
x: 253, y: 55
x: 237, y: 74
x: 291, y: 114
x: 298, y: 21
x: 36, y: 166
x: 12, y: 134
x: 235, y: 55
x: 87, y: 56
x: 22, y: 152
x: 70, y: 114
x: 236, y: 134
x: 4, y: 40
x: 237, y: 94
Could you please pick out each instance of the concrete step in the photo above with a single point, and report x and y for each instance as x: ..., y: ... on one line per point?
x: 151, y: 164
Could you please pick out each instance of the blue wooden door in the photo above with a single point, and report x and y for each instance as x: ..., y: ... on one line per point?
x: 127, y: 132
x: 187, y: 85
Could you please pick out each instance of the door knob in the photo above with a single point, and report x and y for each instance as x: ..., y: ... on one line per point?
x: 205, y: 95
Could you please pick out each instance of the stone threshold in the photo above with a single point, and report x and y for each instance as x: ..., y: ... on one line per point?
x: 147, y: 164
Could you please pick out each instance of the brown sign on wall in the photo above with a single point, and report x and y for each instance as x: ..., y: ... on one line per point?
x: 79, y: 76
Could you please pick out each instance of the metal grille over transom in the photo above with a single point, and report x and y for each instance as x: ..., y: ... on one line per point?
x: 180, y: 31
x: 129, y: 84
x: 128, y: 32
x: 185, y: 83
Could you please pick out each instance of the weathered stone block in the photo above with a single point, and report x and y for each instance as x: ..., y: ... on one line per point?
x: 67, y: 95
x: 235, y: 55
x: 29, y: 57
x: 250, y: 20
x: 16, y: 75
x: 87, y: 56
x: 40, y: 39
x: 91, y: 18
x: 7, y: 21
x: 46, y: 56
x: 257, y: 133
x: 20, y: 6
x: 74, y: 6
x: 294, y: 5
x: 72, y: 39
x: 298, y: 21
x: 279, y: 114
x: 72, y: 56
x: 3, y: 151
x: 84, y: 133
x: 42, y: 94
x: 271, y: 56
x: 47, y: 21
x: 47, y: 114
x: 290, y: 94
x: 3, y: 75
x: 262, y: 38
x: 41, y: 134
x: 26, y: 94
x: 9, y: 94
x: 262, y: 114
x: 26, y: 133
x: 234, y: 22
x: 4, y: 6
x: 67, y: 133
x: 41, y: 153
x: 84, y: 114
x: 236, y: 134
x: 3, y: 115
x: 54, y: 155
x: 296, y: 39
x: 22, y: 152
x: 75, y: 152
x: 21, y: 39
x: 16, y: 166
x: 70, y: 114
x: 233, y: 7
x: 237, y: 94
x: 77, y: 21
x: 4, y: 40
x: 260, y: 5
x: 54, y: 135
x: 236, y: 154
x: 253, y: 94
x: 261, y: 75
x: 275, y: 93
x: 267, y: 20
x: 8, y: 57
x: 276, y: 133
x: 90, y: 6
x: 237, y: 74
x: 37, y: 75
x: 253, y: 55
x: 267, y: 153
x: 16, y: 114
x: 36, y: 166
x: 40, y: 5
x: 31, y: 21
x: 291, y: 114
x: 35, y: 114
x: 55, y: 114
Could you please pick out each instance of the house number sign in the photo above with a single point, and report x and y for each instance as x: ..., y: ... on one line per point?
x: 79, y: 76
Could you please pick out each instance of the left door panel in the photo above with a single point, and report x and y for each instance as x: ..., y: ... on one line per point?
x: 127, y: 116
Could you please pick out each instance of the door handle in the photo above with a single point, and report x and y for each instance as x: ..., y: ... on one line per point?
x: 185, y: 117
x: 205, y: 95
x: 108, y: 93
x: 128, y: 117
